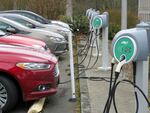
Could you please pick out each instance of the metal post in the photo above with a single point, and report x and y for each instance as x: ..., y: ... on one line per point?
x: 105, y: 54
x: 142, y: 82
x: 73, y: 98
x: 123, y: 14
x: 97, y: 46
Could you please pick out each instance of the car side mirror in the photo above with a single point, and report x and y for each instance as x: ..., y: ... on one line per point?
x: 31, y: 25
x: 11, y: 30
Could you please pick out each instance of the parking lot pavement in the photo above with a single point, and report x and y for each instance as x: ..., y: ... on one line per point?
x: 94, y: 93
x: 22, y: 107
x: 57, y: 103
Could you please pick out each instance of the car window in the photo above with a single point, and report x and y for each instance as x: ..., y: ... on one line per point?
x: 21, y: 21
x: 34, y: 17
x: 4, y: 26
x: 2, y: 33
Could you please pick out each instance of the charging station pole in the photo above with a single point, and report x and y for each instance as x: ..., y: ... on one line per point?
x: 142, y: 82
x: 105, y: 54
x: 73, y: 97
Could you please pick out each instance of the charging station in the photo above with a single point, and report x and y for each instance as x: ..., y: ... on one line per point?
x: 89, y: 13
x: 101, y: 21
x: 96, y: 24
x: 133, y: 44
x: 94, y: 32
x: 125, y: 45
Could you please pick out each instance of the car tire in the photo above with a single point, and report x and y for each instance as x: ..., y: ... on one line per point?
x: 8, y: 94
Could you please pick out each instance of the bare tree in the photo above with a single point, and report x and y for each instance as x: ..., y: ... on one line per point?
x: 69, y: 9
x: 15, y: 4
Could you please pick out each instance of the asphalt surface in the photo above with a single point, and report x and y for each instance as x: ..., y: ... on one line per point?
x: 57, y: 103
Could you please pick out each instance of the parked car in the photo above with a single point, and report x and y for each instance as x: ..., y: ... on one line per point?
x: 26, y: 74
x: 21, y: 40
x: 37, y: 18
x: 36, y: 25
x: 54, y: 41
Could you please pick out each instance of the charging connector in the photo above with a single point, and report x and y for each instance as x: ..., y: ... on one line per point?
x: 120, y: 64
x: 113, y: 61
x: 112, y: 86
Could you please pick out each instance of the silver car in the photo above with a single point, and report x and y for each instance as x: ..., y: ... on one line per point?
x: 54, y: 41
x: 37, y: 25
x: 37, y: 17
x: 56, y: 26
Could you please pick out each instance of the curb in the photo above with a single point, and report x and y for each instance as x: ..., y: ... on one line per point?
x: 84, y: 95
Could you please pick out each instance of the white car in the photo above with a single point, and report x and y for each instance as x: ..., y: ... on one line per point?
x: 54, y: 41
x: 32, y: 23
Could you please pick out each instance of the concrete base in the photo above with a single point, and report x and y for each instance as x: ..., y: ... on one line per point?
x: 72, y: 100
x: 104, y: 69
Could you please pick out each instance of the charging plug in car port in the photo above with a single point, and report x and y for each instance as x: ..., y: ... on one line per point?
x: 43, y: 87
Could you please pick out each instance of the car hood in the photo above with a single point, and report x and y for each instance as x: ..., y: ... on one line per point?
x: 22, y: 40
x: 57, y: 27
x: 9, y: 53
x: 60, y: 23
x: 48, y: 33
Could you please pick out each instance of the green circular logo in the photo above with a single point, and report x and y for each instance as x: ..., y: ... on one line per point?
x: 97, y: 22
x: 126, y: 46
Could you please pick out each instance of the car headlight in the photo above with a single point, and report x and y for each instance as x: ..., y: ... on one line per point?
x: 33, y: 66
x: 64, y: 33
x: 56, y: 38
x: 39, y: 47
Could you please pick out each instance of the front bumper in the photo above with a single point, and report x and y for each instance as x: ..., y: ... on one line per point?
x: 39, y: 83
x: 34, y: 95
x: 59, y: 48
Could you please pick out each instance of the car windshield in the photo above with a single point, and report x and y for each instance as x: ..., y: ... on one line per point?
x: 21, y: 21
x: 36, y: 17
x: 2, y: 33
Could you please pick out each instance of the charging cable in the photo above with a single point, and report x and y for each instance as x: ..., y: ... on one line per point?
x: 115, y: 85
x: 112, y: 86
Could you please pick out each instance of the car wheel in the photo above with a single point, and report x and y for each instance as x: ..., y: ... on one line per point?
x: 8, y: 94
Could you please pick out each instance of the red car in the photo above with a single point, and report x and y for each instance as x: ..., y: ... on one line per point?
x: 21, y: 40
x: 26, y: 74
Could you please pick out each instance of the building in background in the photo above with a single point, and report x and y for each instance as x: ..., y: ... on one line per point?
x: 144, y: 10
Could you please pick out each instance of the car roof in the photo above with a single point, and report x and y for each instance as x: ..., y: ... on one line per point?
x: 24, y: 11
x: 13, y: 23
x: 20, y: 16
